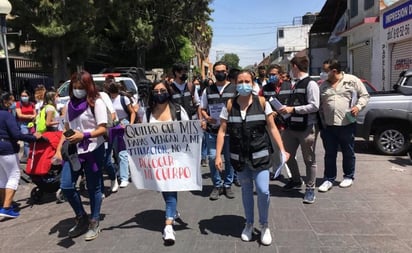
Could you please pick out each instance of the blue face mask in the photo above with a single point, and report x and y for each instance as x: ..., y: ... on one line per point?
x: 244, y: 89
x: 273, y: 78
x: 24, y: 99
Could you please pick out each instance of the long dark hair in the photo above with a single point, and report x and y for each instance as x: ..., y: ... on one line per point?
x: 85, y: 79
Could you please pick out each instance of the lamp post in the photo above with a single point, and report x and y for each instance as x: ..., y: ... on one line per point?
x: 5, y: 8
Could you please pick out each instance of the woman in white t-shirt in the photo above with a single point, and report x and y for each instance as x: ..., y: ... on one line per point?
x: 163, y: 109
x: 52, y: 115
x: 82, y: 147
x: 127, y: 115
x: 248, y: 120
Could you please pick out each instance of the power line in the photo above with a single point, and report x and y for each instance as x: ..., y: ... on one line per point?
x: 246, y: 35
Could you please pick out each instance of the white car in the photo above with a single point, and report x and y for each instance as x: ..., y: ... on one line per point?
x: 131, y: 87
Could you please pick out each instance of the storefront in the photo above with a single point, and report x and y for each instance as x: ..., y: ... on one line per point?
x: 396, y: 37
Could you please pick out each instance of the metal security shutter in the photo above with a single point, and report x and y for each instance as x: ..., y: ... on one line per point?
x: 401, y: 59
x: 362, y: 58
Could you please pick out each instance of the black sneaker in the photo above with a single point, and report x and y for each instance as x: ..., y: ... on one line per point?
x: 216, y: 193
x: 229, y: 193
x: 272, y: 176
x: 293, y: 186
x: 237, y: 183
x: 82, y: 224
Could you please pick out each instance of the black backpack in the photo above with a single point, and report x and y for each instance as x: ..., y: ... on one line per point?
x: 174, y: 108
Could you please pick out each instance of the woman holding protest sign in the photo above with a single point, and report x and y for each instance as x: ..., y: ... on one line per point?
x: 161, y: 109
x: 248, y: 120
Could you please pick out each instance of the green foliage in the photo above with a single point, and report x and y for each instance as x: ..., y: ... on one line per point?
x: 187, y: 51
x: 231, y: 59
x: 113, y: 32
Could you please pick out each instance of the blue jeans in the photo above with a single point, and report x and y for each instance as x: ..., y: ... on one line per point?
x: 215, y: 174
x: 93, y: 181
x: 332, y: 138
x: 26, y: 146
x: 261, y: 178
x: 122, y: 158
x: 171, y: 203
x: 204, y: 146
x: 108, y: 164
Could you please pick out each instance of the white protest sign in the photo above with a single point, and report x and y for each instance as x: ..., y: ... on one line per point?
x: 165, y: 156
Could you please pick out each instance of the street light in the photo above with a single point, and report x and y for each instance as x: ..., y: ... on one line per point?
x: 5, y: 8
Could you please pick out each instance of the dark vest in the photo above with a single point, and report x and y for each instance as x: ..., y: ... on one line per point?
x: 269, y: 91
x: 298, y: 122
x: 250, y: 144
x: 185, y: 99
x: 214, y: 97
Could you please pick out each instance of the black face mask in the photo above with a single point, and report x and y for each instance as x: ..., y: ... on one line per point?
x: 113, y: 89
x: 183, y: 77
x: 161, y: 98
x: 220, y: 76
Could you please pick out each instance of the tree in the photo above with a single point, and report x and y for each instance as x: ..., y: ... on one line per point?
x: 231, y: 59
x: 113, y: 32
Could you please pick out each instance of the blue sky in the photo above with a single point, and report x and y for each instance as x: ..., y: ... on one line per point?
x: 248, y: 28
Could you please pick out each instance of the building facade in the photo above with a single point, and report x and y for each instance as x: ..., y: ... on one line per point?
x: 396, y: 41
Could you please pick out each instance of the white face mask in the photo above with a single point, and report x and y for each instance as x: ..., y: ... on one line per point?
x: 79, y: 93
x: 323, y: 76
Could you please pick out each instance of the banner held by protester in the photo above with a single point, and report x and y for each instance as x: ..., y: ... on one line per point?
x: 165, y: 156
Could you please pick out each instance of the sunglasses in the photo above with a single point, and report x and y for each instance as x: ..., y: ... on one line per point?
x: 157, y: 91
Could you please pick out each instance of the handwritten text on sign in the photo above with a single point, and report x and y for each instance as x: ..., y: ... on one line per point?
x: 165, y: 156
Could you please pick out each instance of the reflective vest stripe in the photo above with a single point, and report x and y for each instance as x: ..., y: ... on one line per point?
x: 269, y: 93
x: 282, y: 92
x: 234, y: 156
x: 255, y: 117
x: 213, y: 96
x: 228, y: 95
x: 302, y: 91
x: 260, y: 154
x: 256, y: 155
x: 235, y: 119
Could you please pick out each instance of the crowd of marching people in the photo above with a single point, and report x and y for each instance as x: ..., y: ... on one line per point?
x: 253, y: 124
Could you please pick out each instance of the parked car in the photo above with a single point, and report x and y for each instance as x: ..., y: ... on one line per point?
x: 130, y: 85
x: 138, y: 75
x: 369, y: 87
x: 388, y: 118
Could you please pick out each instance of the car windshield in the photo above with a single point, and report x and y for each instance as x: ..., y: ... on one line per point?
x: 63, y: 91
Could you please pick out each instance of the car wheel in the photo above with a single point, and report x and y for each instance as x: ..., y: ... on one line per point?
x: 390, y: 140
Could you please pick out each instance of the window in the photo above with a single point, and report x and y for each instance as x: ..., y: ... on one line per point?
x: 353, y: 8
x: 280, y: 33
x: 368, y: 4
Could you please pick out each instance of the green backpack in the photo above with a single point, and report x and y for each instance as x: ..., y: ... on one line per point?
x: 41, y: 126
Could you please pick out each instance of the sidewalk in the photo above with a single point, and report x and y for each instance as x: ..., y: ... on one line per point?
x: 374, y: 215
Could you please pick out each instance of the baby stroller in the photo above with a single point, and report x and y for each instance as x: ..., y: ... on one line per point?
x: 42, y: 172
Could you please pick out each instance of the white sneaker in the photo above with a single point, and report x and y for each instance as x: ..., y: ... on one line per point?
x: 124, y: 184
x: 265, y: 236
x: 325, y: 186
x: 346, y: 182
x: 114, y: 185
x: 169, y: 234
x: 247, y: 232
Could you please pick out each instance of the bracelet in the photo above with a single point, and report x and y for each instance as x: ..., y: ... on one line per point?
x: 86, y: 135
